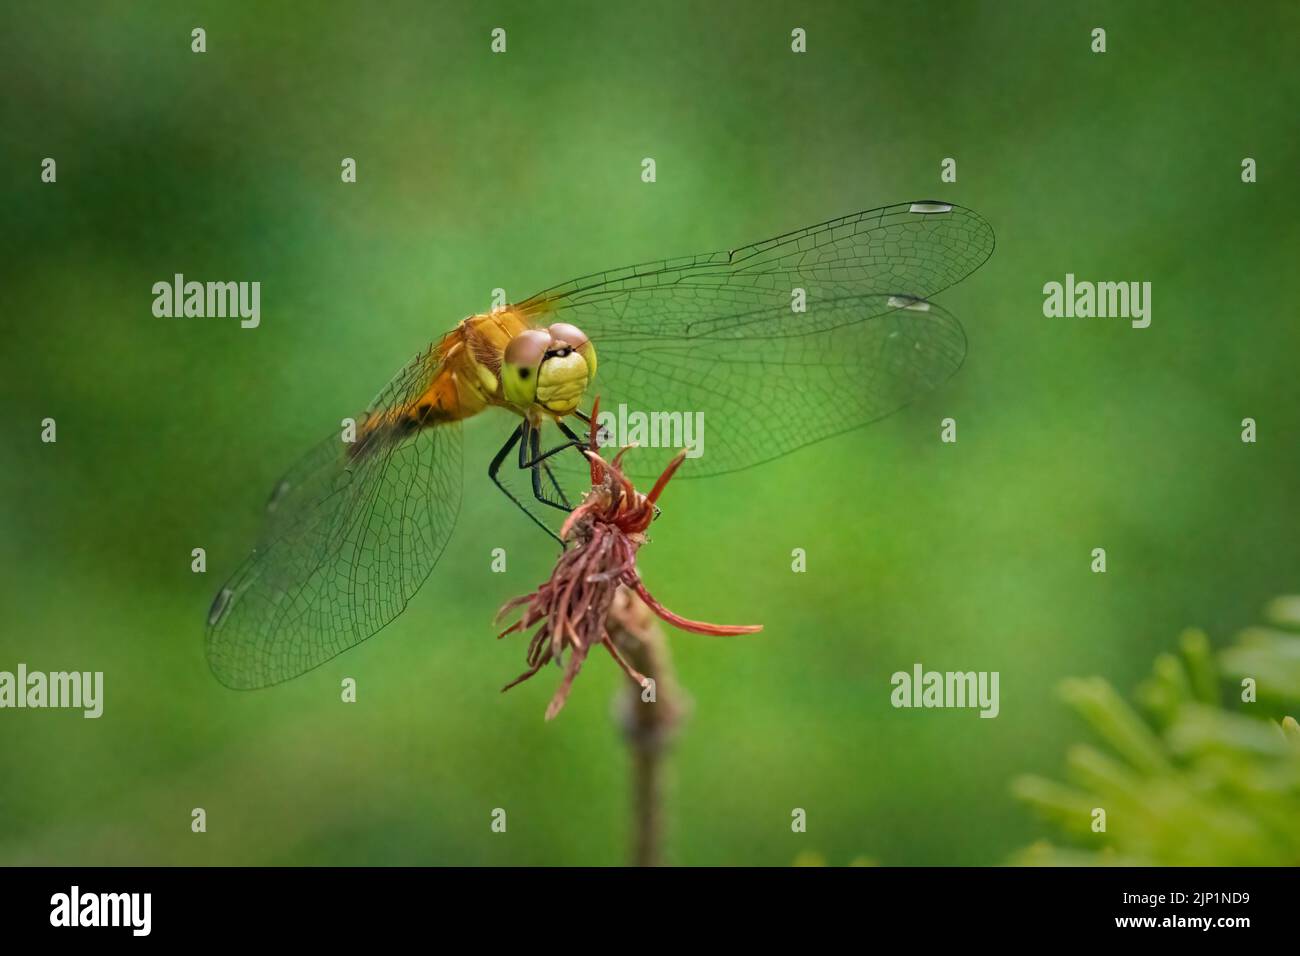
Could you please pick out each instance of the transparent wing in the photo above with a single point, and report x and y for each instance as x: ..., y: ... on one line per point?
x: 721, y: 335
x: 350, y: 534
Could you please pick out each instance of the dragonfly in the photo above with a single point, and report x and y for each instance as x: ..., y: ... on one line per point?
x: 779, y: 344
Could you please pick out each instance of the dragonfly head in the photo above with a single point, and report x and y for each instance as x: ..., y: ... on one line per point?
x: 548, y: 367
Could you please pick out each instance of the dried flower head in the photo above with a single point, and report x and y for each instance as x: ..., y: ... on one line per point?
x: 602, y: 536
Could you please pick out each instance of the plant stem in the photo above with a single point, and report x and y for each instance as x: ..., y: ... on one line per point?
x: 648, y: 725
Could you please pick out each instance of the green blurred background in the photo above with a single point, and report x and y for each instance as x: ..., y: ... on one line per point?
x: 520, y: 171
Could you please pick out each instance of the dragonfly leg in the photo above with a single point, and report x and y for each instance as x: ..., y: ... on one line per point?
x: 559, y: 489
x: 568, y: 432
x: 532, y: 442
x: 586, y: 420
x: 535, y: 446
x: 572, y: 441
x: 494, y: 468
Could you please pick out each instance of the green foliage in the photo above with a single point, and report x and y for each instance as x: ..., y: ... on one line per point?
x: 1185, y: 779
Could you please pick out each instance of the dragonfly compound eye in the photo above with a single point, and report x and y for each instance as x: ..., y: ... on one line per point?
x: 520, y: 365
x: 565, y: 334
